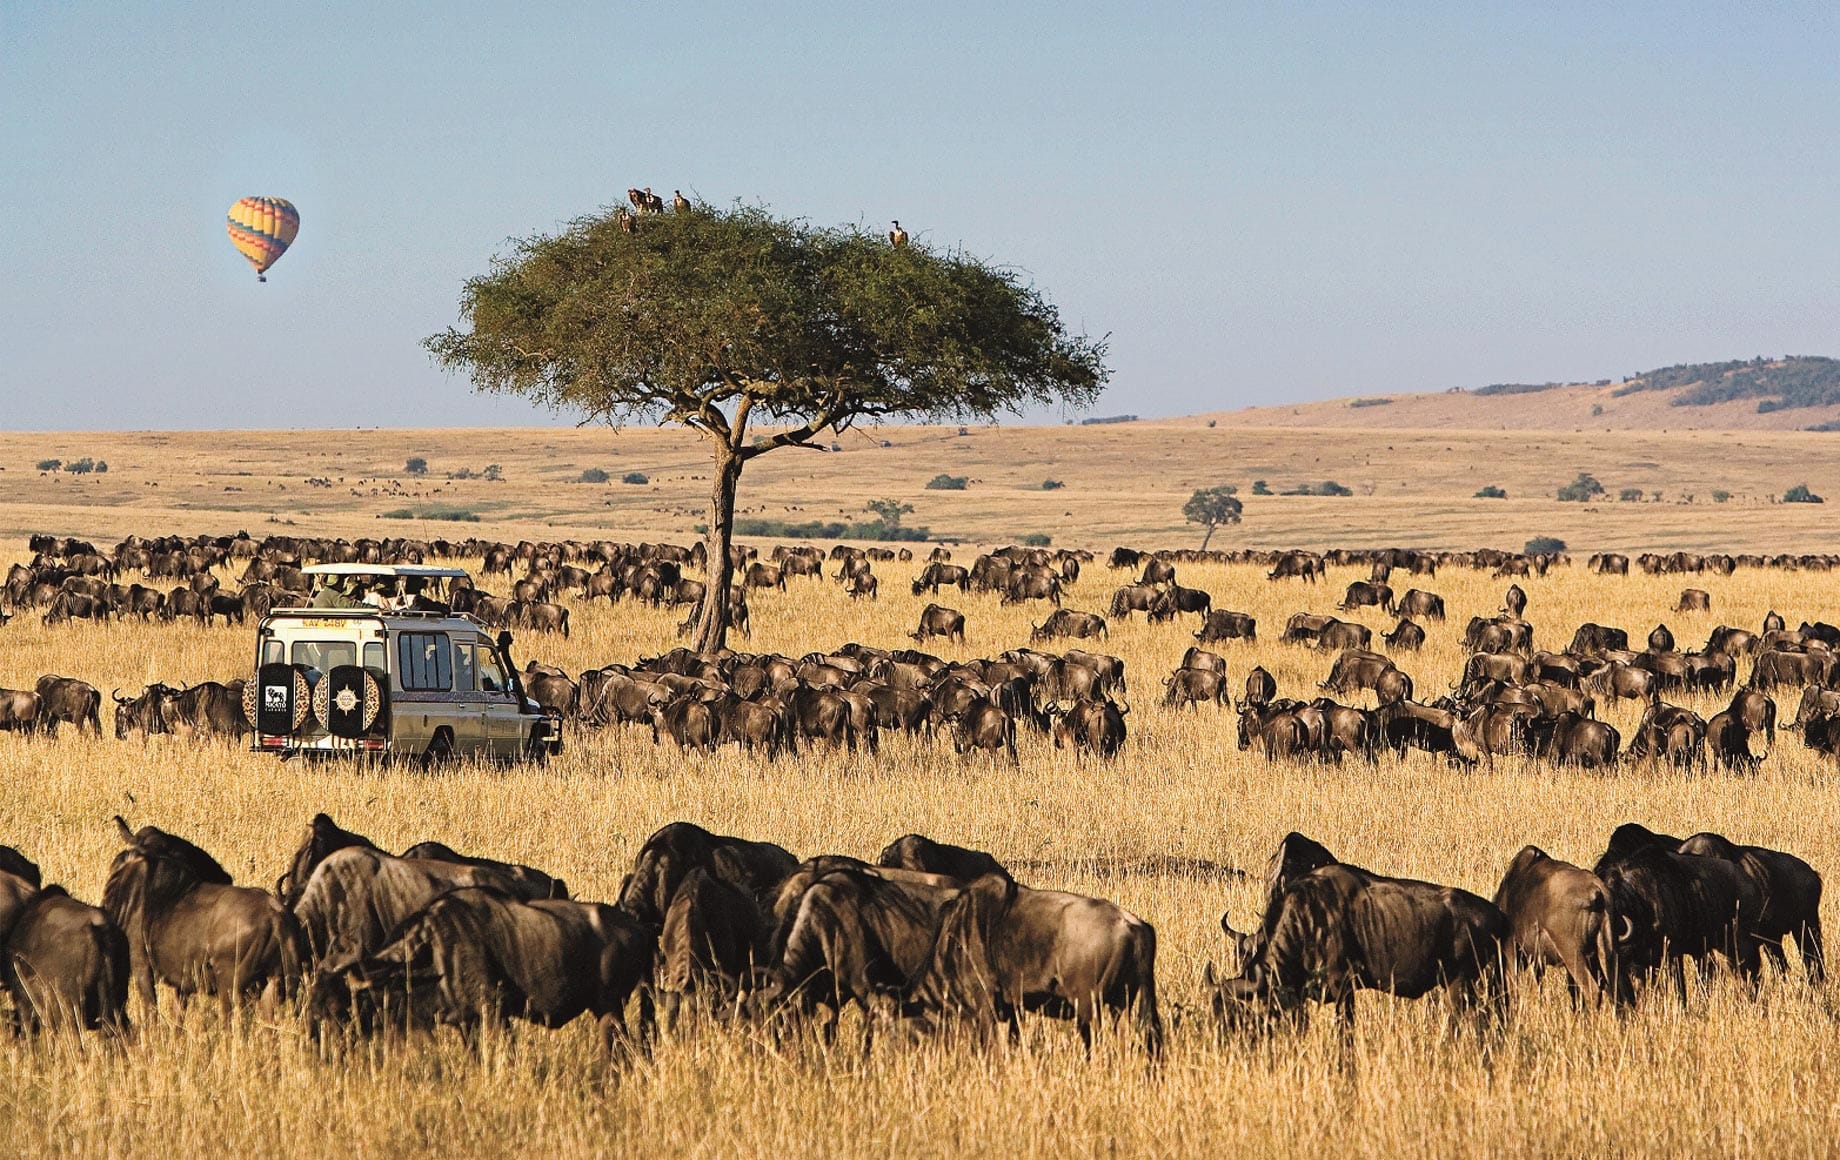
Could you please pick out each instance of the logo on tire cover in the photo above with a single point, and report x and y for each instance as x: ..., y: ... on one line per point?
x: 347, y: 700
x: 274, y: 697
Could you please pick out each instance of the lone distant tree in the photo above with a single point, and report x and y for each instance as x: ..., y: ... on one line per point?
x: 1212, y: 506
x: 718, y: 319
x: 889, y: 511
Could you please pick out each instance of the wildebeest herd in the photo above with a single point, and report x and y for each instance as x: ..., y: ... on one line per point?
x: 1512, y: 696
x: 929, y: 939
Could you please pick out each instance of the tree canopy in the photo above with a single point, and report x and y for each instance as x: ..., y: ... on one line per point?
x: 722, y: 318
x: 1212, y: 506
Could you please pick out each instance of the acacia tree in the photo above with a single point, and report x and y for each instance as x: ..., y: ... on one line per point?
x: 722, y: 320
x: 1212, y: 506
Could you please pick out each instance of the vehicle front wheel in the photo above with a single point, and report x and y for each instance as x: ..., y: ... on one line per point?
x: 440, y: 749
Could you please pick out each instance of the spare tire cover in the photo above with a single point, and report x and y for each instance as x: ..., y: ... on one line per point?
x: 353, y: 699
x: 284, y: 699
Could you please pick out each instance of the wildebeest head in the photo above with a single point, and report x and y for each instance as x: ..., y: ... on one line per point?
x: 324, y: 836
x: 140, y: 714
x: 153, y: 872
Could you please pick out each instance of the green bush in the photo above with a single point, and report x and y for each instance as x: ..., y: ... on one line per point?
x: 1052, y: 485
x: 1800, y: 494
x: 1260, y: 487
x: 1326, y: 487
x: 493, y: 472
x: 50, y: 464
x: 944, y: 482
x: 1720, y: 495
x: 1491, y: 492
x: 1544, y: 546
x: 416, y: 465
x: 824, y: 530
x: 1584, y: 488
x: 82, y: 466
x: 638, y: 477
x: 1036, y: 540
x: 450, y: 515
x: 1370, y: 402
x: 593, y: 475
x: 1629, y: 495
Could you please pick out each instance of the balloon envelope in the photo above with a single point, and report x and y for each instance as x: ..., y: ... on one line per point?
x: 261, y: 229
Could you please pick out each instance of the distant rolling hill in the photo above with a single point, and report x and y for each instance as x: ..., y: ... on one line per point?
x: 1785, y: 394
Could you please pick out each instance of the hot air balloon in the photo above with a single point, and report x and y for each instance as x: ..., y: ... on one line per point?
x: 261, y: 229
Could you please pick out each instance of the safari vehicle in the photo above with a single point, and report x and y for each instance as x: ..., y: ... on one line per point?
x: 373, y: 680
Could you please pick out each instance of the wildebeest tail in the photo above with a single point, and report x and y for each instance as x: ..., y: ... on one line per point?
x: 1143, y: 966
x: 291, y: 953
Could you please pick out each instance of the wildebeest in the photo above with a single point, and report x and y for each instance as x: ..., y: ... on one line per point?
x: 715, y: 938
x: 1366, y: 594
x: 920, y: 853
x: 1067, y: 622
x: 1791, y: 893
x: 1176, y: 599
x: 1559, y: 915
x: 1694, y: 600
x: 1338, y: 929
x: 1261, y: 687
x: 1421, y: 604
x: 70, y: 701
x: 1004, y: 949
x: 1406, y: 636
x: 1356, y: 669
x: 671, y: 852
x: 937, y: 574
x: 1670, y: 907
x: 937, y: 620
x: 19, y: 711
x: 477, y: 954
x: 1134, y: 598
x: 1222, y: 624
x: 1593, y: 639
x: 524, y: 881
x: 64, y: 963
x: 1194, y: 686
x: 187, y: 925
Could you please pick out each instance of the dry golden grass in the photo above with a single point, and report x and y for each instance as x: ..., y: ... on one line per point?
x: 1725, y: 1075
x: 1125, y: 483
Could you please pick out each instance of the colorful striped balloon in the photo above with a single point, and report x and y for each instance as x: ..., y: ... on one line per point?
x: 261, y: 229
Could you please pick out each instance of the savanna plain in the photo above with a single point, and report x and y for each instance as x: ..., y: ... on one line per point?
x: 1176, y: 828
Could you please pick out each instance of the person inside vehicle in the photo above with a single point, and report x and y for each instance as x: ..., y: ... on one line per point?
x: 332, y: 595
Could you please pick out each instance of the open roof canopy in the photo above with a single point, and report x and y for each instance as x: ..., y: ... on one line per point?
x: 419, y: 571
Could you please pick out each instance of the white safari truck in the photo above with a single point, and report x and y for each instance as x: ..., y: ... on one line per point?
x: 349, y: 678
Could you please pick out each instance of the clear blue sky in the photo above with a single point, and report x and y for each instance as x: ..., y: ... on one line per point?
x: 1258, y: 202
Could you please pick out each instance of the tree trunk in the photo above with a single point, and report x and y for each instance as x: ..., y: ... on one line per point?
x: 712, y: 626
x: 1207, y: 537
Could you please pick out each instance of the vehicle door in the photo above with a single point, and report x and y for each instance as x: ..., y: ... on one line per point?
x: 505, y: 720
x: 425, y: 700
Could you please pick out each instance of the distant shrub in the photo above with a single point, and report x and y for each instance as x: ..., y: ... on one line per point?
x: 493, y: 472
x: 1584, y: 488
x: 1800, y: 494
x: 1095, y: 421
x: 50, y: 464
x: 416, y: 465
x: 1596, y: 409
x: 1052, y: 485
x: 638, y: 477
x: 1260, y: 487
x: 1370, y: 402
x: 1326, y: 487
x: 1491, y: 492
x: 1629, y: 494
x: 593, y: 475
x: 102, y: 466
x: 824, y: 530
x: 1720, y: 495
x: 451, y: 515
x: 1036, y: 540
x: 1544, y: 546
x: 944, y: 482
x: 82, y: 466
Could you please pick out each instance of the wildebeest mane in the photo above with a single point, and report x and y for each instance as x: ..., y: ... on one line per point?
x: 17, y: 864
x: 324, y: 836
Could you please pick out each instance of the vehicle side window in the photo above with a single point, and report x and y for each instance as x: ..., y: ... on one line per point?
x: 274, y: 652
x: 491, y: 673
x: 425, y: 662
x: 374, y: 656
x: 463, y: 669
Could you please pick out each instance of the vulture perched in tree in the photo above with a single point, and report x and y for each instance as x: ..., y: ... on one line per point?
x: 897, y: 236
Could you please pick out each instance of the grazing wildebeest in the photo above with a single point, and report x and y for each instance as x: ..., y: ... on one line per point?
x: 1067, y: 622
x: 920, y: 853
x: 1177, y: 599
x: 1694, y: 600
x: 1422, y: 604
x: 68, y: 700
x: 937, y: 620
x: 936, y: 575
x: 1406, y: 636
x: 1191, y: 687
x: 715, y: 938
x: 1004, y: 949
x: 1088, y: 723
x: 19, y: 711
x: 668, y: 856
x: 1593, y: 639
x: 65, y: 963
x: 1559, y: 915
x: 1222, y: 624
x: 525, y: 882
x: 476, y: 954
x: 1261, y: 687
x: 1365, y: 594
x: 1514, y: 601
x: 1134, y: 598
x: 1791, y: 892
x: 1670, y: 907
x: 1356, y: 669
x: 187, y: 925
x: 1338, y: 929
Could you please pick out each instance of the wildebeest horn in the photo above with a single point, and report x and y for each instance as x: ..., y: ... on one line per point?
x: 1123, y: 707
x: 1226, y: 928
x: 1208, y: 978
x: 127, y: 835
x: 119, y: 699
x: 1629, y: 930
